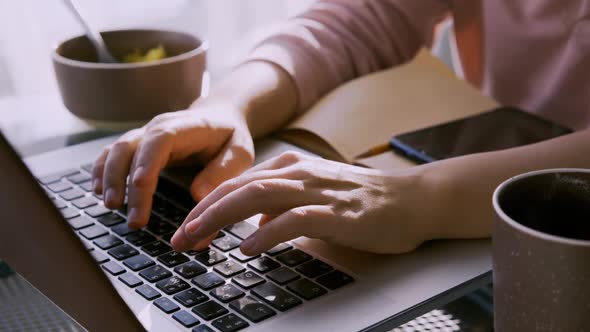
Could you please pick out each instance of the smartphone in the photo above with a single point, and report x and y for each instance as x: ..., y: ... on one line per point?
x: 501, y: 128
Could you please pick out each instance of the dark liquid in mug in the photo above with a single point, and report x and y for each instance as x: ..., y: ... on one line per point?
x: 553, y: 203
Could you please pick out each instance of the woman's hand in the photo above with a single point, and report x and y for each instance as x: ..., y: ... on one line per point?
x: 212, y: 132
x: 305, y: 196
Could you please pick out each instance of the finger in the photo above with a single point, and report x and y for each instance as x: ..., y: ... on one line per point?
x: 315, y: 221
x: 116, y: 170
x: 285, y: 159
x: 273, y: 196
x: 230, y: 162
x: 202, y: 245
x: 98, y: 171
x: 152, y: 155
x: 264, y: 219
x: 236, y: 183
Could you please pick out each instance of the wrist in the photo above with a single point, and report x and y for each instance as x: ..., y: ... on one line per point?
x: 421, y: 197
x: 260, y: 93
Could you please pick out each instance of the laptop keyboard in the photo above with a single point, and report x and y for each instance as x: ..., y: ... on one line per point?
x: 218, y: 288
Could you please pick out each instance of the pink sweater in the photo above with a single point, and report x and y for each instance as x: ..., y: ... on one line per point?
x: 530, y: 53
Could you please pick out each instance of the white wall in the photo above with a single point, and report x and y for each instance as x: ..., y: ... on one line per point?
x: 29, y: 29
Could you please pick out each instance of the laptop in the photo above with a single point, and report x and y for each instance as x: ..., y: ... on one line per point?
x: 107, y: 277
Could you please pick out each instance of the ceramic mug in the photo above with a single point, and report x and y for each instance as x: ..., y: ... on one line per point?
x: 541, y: 252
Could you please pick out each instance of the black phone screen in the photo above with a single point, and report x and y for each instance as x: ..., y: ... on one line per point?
x: 501, y: 128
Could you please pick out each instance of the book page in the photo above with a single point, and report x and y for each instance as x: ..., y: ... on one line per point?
x: 368, y: 111
x: 386, y: 160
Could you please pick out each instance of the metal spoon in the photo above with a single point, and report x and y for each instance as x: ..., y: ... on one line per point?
x: 94, y: 36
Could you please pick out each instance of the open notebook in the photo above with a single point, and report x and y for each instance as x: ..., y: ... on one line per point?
x: 368, y: 111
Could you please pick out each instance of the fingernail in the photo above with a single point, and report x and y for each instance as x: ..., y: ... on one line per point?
x: 132, y: 215
x: 249, y: 245
x: 95, y: 184
x: 138, y: 175
x: 110, y: 196
x: 175, y: 239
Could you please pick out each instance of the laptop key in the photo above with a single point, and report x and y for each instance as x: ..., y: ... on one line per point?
x: 88, y: 167
x: 226, y: 243
x: 334, y: 280
x: 283, y: 276
x: 93, y: 232
x: 306, y: 289
x: 293, y: 257
x: 130, y: 279
x: 227, y: 293
x: 314, y: 268
x: 185, y: 318
x: 190, y: 297
x: 123, y: 209
x: 71, y: 194
x: 155, y: 273
x: 51, y: 178
x: 230, y: 323
x: 86, y: 186
x: 168, y: 237
x: 123, y: 229
x: 99, y: 257
x: 202, y: 328
x: 69, y: 213
x: 80, y: 222
x: 278, y: 249
x: 237, y: 254
x: 60, y: 186
x: 242, y: 229
x: 140, y: 238
x: 263, y: 264
x: 276, y: 296
x: 210, y: 310
x: 229, y: 268
x: 190, y: 270
x: 208, y: 280
x: 172, y: 259
x: 138, y: 262
x: 59, y: 203
x: 123, y: 252
x: 166, y: 305
x: 252, y: 309
x: 97, y: 211
x: 110, y: 219
x: 148, y: 292
x: 113, y: 268
x: 79, y: 178
x: 248, y: 280
x: 108, y: 242
x: 172, y: 285
x: 156, y: 248
x: 158, y: 226
x: 210, y: 257
x: 84, y: 202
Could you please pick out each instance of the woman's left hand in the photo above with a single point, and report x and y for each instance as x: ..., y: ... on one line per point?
x: 300, y: 195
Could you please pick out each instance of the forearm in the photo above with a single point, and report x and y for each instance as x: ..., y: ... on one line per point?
x: 263, y: 93
x: 462, y: 187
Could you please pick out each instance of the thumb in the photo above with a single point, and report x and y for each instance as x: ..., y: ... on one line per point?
x: 235, y: 157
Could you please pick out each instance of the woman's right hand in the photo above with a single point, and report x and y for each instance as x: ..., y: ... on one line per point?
x: 213, y: 132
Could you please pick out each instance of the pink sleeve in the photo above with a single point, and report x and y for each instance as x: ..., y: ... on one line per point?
x: 338, y: 40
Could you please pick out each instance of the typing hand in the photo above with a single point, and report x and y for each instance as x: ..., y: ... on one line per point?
x: 305, y: 196
x: 212, y: 132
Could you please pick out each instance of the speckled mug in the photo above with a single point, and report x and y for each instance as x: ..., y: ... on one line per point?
x: 541, y: 252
